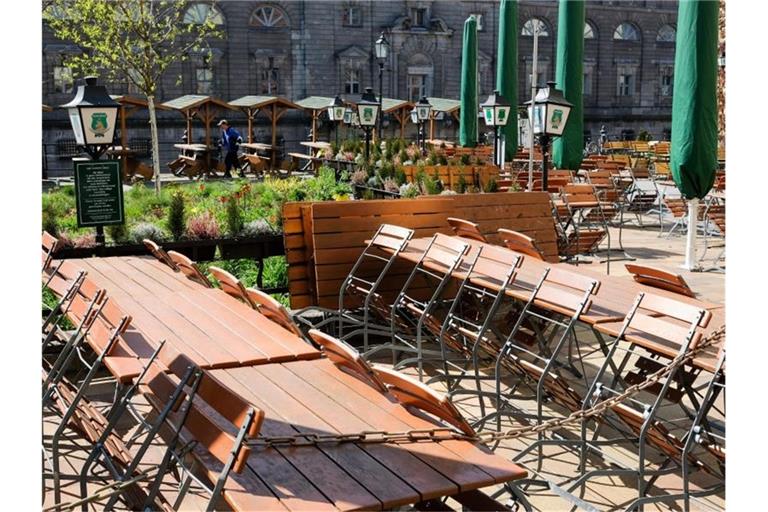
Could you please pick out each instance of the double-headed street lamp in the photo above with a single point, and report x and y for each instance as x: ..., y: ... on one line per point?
x: 420, y: 115
x: 548, y: 114
x: 496, y: 113
x: 336, y: 113
x: 367, y: 113
x: 381, y: 48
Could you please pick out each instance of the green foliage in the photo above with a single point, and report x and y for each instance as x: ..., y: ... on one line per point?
x: 235, y: 220
x: 176, y: 215
x: 491, y: 186
x: 400, y: 175
x: 441, y: 159
x: 144, y: 230
x: 403, y: 155
x: 50, y: 224
x: 432, y: 158
x: 464, y: 159
x: 461, y: 186
x: 644, y: 136
x: 118, y: 233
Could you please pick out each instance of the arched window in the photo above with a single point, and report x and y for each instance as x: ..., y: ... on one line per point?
x: 626, y: 32
x: 198, y: 14
x: 666, y: 34
x: 589, y: 31
x: 269, y: 16
x: 535, y: 23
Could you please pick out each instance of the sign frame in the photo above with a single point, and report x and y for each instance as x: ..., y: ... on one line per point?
x: 112, y: 167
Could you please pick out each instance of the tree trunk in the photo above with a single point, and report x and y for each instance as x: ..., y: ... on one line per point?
x: 155, y: 144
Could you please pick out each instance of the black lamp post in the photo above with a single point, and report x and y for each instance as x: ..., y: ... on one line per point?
x: 548, y: 115
x: 382, y: 54
x: 496, y: 113
x: 367, y: 113
x: 337, y: 114
x: 420, y: 115
x: 93, y: 114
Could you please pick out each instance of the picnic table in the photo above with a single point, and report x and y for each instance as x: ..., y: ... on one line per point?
x: 193, y: 160
x: 317, y: 397
x: 251, y: 157
x: 201, y: 325
x: 131, y: 165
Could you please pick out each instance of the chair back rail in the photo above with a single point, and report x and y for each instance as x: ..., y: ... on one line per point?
x: 520, y: 243
x: 231, y: 285
x: 159, y: 253
x: 659, y: 278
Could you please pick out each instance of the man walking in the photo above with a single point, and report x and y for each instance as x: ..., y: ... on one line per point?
x: 230, y: 138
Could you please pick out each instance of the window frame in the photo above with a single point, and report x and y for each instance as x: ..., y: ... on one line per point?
x: 347, y: 21
x: 71, y: 81
x: 528, y: 25
x: 635, y: 30
x: 281, y: 23
x: 199, y: 82
x: 196, y: 7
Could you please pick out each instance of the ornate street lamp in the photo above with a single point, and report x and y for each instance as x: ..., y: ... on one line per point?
x: 93, y: 114
x: 496, y: 112
x: 337, y: 114
x: 367, y: 113
x: 381, y: 48
x: 548, y: 114
x: 420, y: 115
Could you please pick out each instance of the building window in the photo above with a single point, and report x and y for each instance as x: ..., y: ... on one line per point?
x: 626, y: 83
x: 419, y: 17
x: 269, y: 16
x: 542, y: 70
x: 269, y: 79
x: 198, y: 14
x: 666, y: 34
x: 417, y: 87
x: 626, y: 32
x: 535, y: 24
x: 666, y: 81
x: 479, y: 18
x: 62, y: 79
x: 589, y: 31
x: 351, y: 80
x: 353, y: 16
x: 204, y: 81
x: 587, y: 84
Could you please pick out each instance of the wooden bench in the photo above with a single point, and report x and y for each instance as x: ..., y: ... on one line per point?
x: 323, y: 240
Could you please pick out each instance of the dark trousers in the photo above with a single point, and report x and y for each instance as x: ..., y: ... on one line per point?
x: 230, y: 161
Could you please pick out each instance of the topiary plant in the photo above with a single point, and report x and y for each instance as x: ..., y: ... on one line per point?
x: 175, y: 221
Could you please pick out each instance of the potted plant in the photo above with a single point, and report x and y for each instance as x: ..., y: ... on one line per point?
x: 203, y: 230
x: 257, y: 239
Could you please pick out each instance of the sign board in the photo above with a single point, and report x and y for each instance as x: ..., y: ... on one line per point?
x: 99, y: 193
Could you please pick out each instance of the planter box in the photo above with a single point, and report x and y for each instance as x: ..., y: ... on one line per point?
x: 252, y: 248
x: 196, y: 250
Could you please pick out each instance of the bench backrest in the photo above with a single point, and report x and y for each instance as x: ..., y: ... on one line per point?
x: 272, y: 309
x: 520, y: 243
x: 659, y: 278
x: 413, y: 393
x: 159, y: 253
x: 346, y: 357
x: 324, y: 240
x: 189, y: 268
x: 231, y: 285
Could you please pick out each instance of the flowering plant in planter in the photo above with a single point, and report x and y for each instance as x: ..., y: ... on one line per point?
x: 203, y: 227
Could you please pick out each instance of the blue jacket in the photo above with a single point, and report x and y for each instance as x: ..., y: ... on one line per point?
x: 229, y: 140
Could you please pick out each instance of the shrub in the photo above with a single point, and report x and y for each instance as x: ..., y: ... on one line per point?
x: 50, y: 224
x: 359, y: 177
x: 461, y: 186
x: 390, y: 185
x: 441, y: 159
x: 400, y: 177
x: 117, y: 232
x: 464, y: 159
x: 491, y: 186
x: 409, y: 190
x: 257, y: 227
x: 203, y: 227
x: 234, y: 217
x: 175, y: 220
x: 144, y: 230
x: 84, y: 241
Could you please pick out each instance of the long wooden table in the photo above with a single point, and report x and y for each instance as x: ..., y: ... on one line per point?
x: 200, y: 325
x: 317, y: 397
x: 611, y: 304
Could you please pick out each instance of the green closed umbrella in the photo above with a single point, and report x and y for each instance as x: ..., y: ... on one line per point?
x: 469, y: 102
x: 693, y: 153
x: 568, y: 150
x: 506, y: 71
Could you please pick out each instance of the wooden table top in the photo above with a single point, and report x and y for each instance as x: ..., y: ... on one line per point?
x: 191, y: 147
x: 259, y: 146
x: 316, y: 145
x: 202, y: 325
x: 611, y: 303
x: 316, y: 397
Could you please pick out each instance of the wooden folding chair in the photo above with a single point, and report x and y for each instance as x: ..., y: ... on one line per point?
x: 659, y: 278
x: 189, y: 268
x: 422, y: 291
x: 416, y: 395
x: 231, y: 285
x: 520, y: 243
x: 159, y: 253
x: 50, y: 245
x: 347, y: 358
x: 466, y: 229
x: 215, y: 423
x: 272, y: 309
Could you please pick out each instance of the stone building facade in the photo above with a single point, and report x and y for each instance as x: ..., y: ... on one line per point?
x: 297, y: 49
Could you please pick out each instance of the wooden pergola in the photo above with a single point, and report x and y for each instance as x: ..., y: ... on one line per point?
x: 400, y: 109
x: 315, y: 105
x: 205, y: 108
x: 444, y: 105
x: 272, y: 106
x: 128, y: 106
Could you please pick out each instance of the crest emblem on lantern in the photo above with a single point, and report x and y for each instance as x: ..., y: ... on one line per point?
x: 557, y: 117
x: 99, y: 124
x: 367, y: 115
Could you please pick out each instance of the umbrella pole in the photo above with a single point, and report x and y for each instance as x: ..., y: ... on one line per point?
x: 534, y: 72
x: 690, y: 246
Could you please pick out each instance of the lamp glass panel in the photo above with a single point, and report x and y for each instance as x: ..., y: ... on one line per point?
x: 98, y: 124
x: 557, y: 116
x: 77, y: 127
x: 537, y: 115
x: 488, y: 116
x: 367, y: 113
x: 423, y: 113
x: 414, y: 116
x: 502, y: 114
